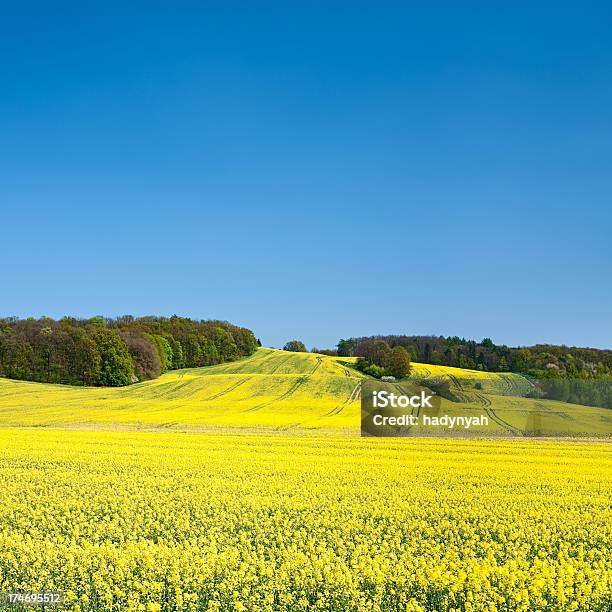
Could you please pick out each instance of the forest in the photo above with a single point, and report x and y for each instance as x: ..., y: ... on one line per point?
x: 538, y: 361
x: 568, y: 374
x: 115, y: 352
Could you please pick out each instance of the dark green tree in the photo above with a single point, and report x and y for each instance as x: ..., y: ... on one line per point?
x: 346, y: 348
x: 116, y: 366
x: 297, y: 346
x: 380, y: 354
x: 399, y: 362
x: 224, y: 343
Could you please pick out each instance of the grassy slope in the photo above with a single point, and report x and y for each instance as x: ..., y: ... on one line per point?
x: 272, y: 388
x: 277, y: 390
x: 501, y: 398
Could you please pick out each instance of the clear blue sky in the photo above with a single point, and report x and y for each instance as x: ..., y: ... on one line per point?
x: 311, y: 170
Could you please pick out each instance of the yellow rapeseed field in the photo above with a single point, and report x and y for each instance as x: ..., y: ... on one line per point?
x: 185, y: 521
x: 266, y: 499
x: 273, y: 390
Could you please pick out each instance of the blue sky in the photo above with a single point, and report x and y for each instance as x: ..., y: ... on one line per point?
x: 315, y: 171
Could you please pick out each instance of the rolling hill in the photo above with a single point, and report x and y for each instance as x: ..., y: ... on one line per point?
x: 279, y: 390
x: 225, y: 504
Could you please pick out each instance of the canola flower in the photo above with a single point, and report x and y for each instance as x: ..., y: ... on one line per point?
x: 276, y: 390
x: 169, y: 521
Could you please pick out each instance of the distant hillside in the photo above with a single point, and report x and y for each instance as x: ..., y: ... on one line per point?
x: 270, y: 389
x: 115, y: 352
x: 538, y: 361
x: 275, y: 390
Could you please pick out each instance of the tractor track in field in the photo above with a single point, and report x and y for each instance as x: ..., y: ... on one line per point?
x: 486, y: 402
x: 280, y: 363
x: 515, y: 386
x: 296, y: 385
x: 345, y: 370
x: 228, y: 390
x: 353, y: 395
x: 424, y: 373
x: 463, y: 396
x: 501, y: 422
x: 456, y: 382
x: 483, y: 399
x: 487, y: 405
x: 250, y: 362
x: 507, y: 383
x: 317, y: 366
x: 173, y: 387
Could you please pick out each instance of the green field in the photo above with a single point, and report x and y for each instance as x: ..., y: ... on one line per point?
x: 282, y: 391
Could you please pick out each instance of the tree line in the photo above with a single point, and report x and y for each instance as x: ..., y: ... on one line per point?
x: 541, y: 361
x: 588, y: 392
x: 568, y: 374
x: 115, y: 352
